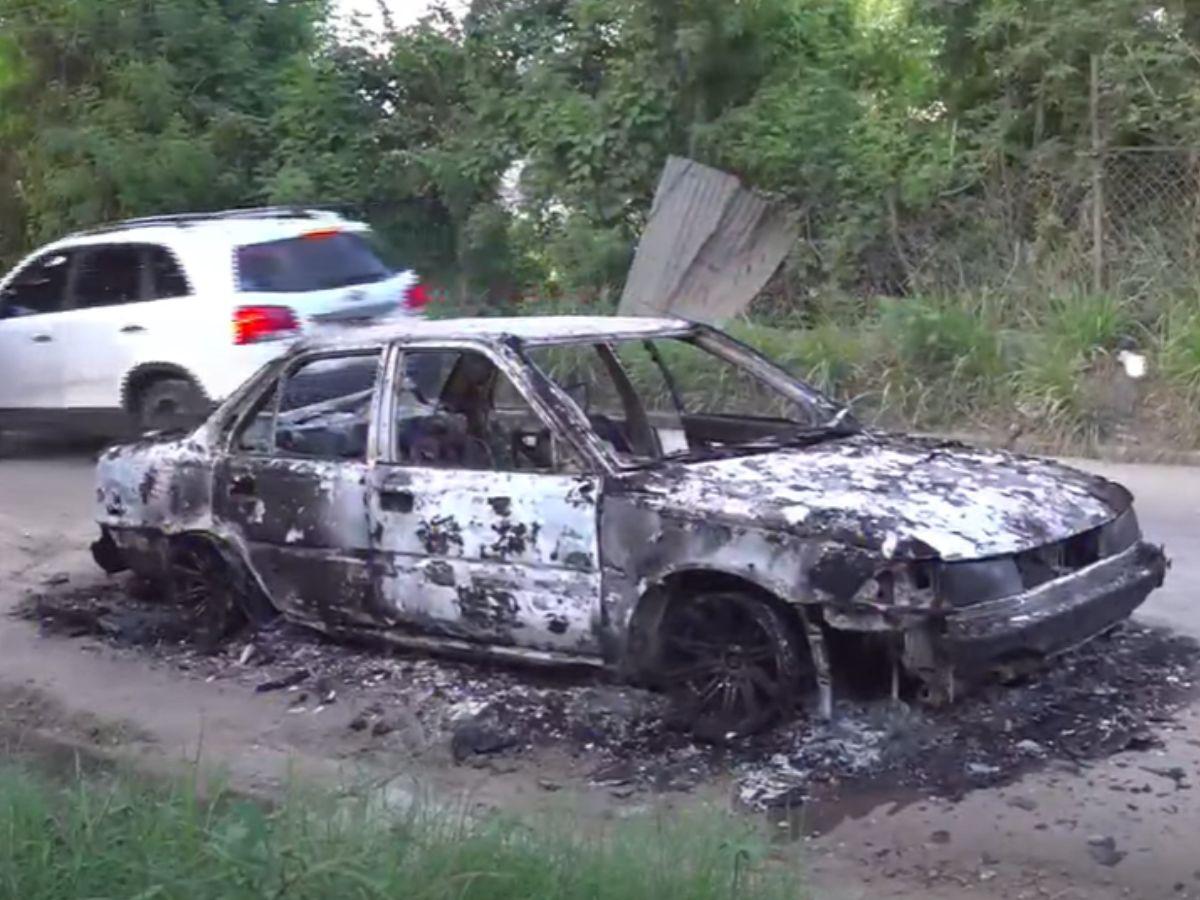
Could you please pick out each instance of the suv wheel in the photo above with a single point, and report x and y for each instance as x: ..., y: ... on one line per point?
x: 730, y: 662
x: 170, y: 403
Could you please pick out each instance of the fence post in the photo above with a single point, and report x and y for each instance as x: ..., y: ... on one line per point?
x: 1097, y: 179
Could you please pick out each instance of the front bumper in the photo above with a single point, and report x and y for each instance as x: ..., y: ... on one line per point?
x: 1058, y: 615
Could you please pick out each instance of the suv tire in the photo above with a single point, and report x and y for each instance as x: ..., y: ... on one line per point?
x: 170, y: 403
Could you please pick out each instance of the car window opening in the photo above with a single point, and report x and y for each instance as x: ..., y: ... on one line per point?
x: 456, y: 409
x: 675, y: 398
x: 322, y: 411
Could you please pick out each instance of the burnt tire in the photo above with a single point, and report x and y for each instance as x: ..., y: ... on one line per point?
x: 207, y: 590
x: 730, y: 662
x: 168, y: 403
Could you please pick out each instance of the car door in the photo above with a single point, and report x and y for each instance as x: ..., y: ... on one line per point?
x: 485, y: 525
x: 31, y: 349
x: 293, y: 488
x: 126, y: 302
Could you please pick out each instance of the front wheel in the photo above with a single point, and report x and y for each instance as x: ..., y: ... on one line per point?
x: 730, y: 661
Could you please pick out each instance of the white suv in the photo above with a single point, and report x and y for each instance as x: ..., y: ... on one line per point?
x: 159, y: 318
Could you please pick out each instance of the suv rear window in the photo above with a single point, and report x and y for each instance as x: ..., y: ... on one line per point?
x: 313, y: 262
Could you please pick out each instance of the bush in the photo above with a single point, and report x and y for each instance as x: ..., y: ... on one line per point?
x: 939, y: 339
x: 1180, y: 347
x: 1083, y: 324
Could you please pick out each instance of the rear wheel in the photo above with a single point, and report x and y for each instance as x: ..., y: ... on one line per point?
x: 730, y: 661
x: 206, y: 588
x: 170, y: 403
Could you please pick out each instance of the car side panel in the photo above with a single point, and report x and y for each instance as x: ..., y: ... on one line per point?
x: 31, y: 363
x: 496, y: 557
x: 304, y: 527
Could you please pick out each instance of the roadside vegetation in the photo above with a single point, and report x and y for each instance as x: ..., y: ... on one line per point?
x: 1005, y: 368
x: 943, y: 159
x: 106, y: 836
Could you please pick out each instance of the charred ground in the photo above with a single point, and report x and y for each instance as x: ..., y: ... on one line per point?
x: 1112, y: 695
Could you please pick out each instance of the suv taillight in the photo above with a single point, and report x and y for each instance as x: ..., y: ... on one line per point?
x: 416, y: 296
x: 262, y: 323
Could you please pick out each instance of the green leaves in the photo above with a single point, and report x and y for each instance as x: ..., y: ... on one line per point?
x: 868, y: 114
x: 129, y: 107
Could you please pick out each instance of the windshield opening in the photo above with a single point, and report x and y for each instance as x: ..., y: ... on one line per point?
x: 678, y: 398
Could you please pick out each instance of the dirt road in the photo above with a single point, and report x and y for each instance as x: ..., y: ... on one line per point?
x: 1123, y: 826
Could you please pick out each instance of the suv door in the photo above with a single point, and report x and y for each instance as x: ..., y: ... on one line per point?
x: 127, y: 302
x: 31, y: 352
x: 485, y: 525
x: 293, y: 486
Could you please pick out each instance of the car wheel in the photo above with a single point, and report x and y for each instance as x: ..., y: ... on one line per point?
x: 204, y: 585
x: 730, y: 662
x: 170, y: 403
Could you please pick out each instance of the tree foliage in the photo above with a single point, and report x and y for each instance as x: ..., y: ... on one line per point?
x: 518, y: 148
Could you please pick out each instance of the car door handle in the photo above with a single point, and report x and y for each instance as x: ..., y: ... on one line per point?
x: 42, y: 339
x: 399, y: 500
x: 132, y: 329
x: 243, y: 486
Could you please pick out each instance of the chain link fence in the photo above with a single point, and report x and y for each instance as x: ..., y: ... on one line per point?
x: 1125, y: 219
x: 1150, y: 212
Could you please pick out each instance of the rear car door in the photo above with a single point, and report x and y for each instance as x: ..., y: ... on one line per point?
x: 293, y: 486
x: 130, y: 303
x: 484, y: 522
x: 31, y: 349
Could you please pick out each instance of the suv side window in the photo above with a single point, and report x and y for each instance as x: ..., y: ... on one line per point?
x: 108, y: 275
x: 40, y: 287
x: 166, y: 277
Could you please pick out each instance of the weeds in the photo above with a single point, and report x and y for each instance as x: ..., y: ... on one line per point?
x: 1180, y: 343
x: 1082, y: 324
x: 121, y: 838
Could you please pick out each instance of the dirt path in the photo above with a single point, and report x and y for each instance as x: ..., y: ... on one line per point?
x: 1118, y: 826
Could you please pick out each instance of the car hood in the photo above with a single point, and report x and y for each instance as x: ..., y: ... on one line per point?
x: 903, y: 497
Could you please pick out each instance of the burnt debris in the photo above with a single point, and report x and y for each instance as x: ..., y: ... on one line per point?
x: 1113, y: 695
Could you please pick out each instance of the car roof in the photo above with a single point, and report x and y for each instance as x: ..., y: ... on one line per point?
x: 238, y: 226
x: 527, y: 329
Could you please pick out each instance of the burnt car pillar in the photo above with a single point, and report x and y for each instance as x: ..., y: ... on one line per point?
x: 819, y: 653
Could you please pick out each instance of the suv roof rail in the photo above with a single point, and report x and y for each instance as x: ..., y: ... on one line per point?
x: 312, y: 211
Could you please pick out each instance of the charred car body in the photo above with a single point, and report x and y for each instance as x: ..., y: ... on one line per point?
x: 650, y: 495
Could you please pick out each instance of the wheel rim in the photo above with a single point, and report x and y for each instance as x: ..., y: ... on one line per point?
x: 723, y: 659
x: 201, y: 592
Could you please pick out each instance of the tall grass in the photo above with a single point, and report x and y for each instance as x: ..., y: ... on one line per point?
x: 119, y: 838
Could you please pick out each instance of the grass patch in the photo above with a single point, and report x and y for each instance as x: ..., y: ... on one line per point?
x: 1180, y: 346
x: 118, y: 837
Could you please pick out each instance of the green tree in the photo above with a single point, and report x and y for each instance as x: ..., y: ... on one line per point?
x: 135, y: 106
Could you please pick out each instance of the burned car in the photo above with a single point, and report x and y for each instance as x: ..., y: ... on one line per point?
x: 649, y: 495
